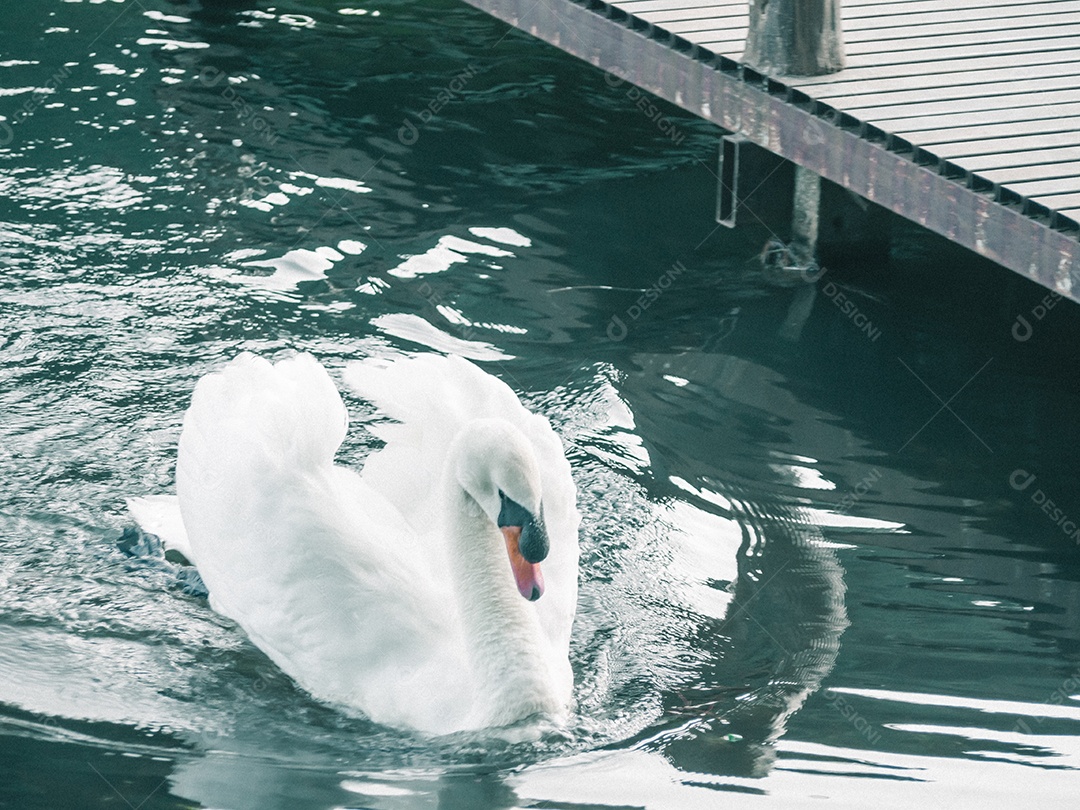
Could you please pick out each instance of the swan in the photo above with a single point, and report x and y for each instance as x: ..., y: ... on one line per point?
x: 412, y: 590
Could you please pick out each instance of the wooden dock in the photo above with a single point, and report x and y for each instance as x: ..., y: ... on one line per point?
x: 961, y: 115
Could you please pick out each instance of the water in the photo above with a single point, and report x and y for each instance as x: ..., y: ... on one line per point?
x: 816, y: 565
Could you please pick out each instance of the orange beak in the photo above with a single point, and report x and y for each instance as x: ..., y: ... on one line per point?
x: 530, y: 582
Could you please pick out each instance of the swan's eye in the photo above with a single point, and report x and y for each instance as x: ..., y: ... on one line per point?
x: 511, y: 513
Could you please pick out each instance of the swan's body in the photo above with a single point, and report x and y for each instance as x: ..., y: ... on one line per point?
x: 390, y: 591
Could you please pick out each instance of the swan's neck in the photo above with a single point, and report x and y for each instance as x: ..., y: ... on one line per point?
x: 505, y: 643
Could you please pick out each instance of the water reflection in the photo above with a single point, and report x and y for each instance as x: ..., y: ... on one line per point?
x: 780, y: 635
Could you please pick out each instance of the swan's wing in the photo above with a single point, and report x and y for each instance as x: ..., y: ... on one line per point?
x: 431, y: 397
x: 159, y: 515
x: 319, y: 570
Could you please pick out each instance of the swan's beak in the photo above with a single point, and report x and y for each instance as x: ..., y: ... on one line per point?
x: 527, y: 575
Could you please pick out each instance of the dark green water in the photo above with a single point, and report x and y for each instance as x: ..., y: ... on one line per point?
x: 816, y: 567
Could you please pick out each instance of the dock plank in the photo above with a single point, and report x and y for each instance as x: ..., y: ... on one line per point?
x: 945, y: 122
x: 648, y: 6
x: 897, y: 46
x: 707, y: 26
x: 1045, y: 188
x: 857, y: 10
x: 1017, y: 61
x: 979, y: 14
x: 1031, y: 158
x: 896, y: 112
x: 704, y: 14
x: 1005, y: 78
x: 1038, y: 171
x: 939, y: 137
x: 962, y: 92
x: 996, y: 146
x: 930, y: 51
x: 895, y: 38
x: 1059, y: 201
x: 926, y: 52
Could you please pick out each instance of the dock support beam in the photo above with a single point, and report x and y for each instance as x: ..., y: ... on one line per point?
x: 795, y: 37
x: 813, y: 222
x: 804, y: 218
x: 796, y: 260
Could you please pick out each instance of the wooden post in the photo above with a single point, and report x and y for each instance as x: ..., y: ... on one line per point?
x: 804, y: 217
x: 795, y: 37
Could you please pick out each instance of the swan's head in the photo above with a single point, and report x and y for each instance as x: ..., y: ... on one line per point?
x: 497, y: 467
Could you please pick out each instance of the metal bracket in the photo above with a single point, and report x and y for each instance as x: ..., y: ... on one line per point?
x: 754, y: 181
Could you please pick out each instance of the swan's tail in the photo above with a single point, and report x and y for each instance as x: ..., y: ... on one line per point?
x: 320, y: 572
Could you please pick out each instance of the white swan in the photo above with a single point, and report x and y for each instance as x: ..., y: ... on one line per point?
x: 393, y: 591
